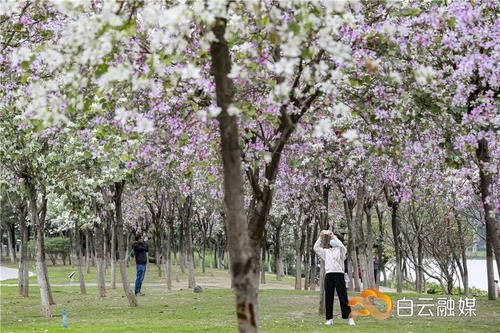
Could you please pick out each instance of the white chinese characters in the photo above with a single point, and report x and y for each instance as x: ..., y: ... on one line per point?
x: 441, y: 307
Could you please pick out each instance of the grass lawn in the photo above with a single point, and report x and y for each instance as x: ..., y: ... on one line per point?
x: 281, y: 310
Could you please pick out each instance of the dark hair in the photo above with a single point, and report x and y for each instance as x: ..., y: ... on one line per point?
x: 137, y: 237
x: 340, y: 237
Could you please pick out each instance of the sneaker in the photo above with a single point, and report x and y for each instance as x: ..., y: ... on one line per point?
x: 351, y: 322
x: 329, y: 322
x: 140, y: 294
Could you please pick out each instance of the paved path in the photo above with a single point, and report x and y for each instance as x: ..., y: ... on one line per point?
x: 7, y: 273
x: 206, y: 282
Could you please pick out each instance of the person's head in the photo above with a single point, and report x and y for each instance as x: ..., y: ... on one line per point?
x: 326, y: 241
x: 139, y: 237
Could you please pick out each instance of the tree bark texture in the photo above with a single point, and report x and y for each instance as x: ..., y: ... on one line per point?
x: 79, y: 261
x: 243, y: 267
x: 119, y: 187
x: 485, y: 183
x: 23, y: 275
x: 41, y: 265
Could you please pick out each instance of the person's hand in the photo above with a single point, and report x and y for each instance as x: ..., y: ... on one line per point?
x: 346, y: 278
x: 146, y: 239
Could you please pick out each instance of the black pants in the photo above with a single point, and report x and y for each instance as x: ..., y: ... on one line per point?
x: 335, y: 281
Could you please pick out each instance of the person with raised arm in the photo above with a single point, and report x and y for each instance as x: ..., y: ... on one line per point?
x: 333, y: 253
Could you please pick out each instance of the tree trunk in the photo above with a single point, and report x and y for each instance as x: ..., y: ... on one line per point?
x: 113, y: 255
x: 369, y: 249
x: 461, y: 260
x: 307, y: 263
x: 119, y: 187
x: 167, y: 257
x: 79, y: 262
x: 351, y: 245
x: 278, y: 263
x: 23, y: 276
x: 380, y: 249
x: 397, y: 245
x: 1, y: 241
x: 182, y: 247
x: 10, y: 242
x: 323, y: 225
x: 189, y: 243
x: 485, y: 182
x: 262, y: 266
x: 298, y: 258
x: 419, y: 272
x: 242, y: 268
x: 359, y: 237
x: 203, y: 256
x: 157, y: 236
x: 41, y: 266
x: 87, y: 250
x: 100, y: 259
x: 215, y: 263
x: 489, y: 268
x: 312, y: 259
x: 105, y: 246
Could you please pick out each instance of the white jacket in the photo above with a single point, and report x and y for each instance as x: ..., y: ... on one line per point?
x: 333, y: 257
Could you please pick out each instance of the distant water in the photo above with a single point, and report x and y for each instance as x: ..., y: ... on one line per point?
x: 478, y: 276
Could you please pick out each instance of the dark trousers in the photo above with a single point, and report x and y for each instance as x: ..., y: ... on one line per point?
x: 141, y: 271
x: 335, y: 281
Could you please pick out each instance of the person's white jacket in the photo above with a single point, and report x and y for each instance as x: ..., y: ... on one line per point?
x: 334, y: 257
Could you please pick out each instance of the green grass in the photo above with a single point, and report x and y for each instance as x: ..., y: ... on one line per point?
x: 476, y: 255
x: 211, y: 311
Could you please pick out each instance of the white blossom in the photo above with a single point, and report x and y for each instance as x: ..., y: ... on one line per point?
x: 284, y: 66
x: 396, y: 77
x: 22, y: 54
x: 389, y: 29
x: 237, y: 72
x: 190, y: 72
x: 282, y: 89
x: 144, y: 125
x: 335, y: 5
x: 122, y: 115
x: 322, y: 128
x: 52, y: 58
x: 118, y: 73
x: 291, y: 48
x: 9, y: 7
x: 351, y: 135
x: 213, y: 111
x: 140, y: 83
x: 342, y: 111
x: 424, y: 74
x: 267, y: 157
x: 202, y: 114
x: 232, y: 110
